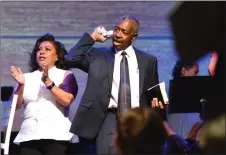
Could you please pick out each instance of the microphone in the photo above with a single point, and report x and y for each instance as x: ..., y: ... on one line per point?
x: 203, y: 100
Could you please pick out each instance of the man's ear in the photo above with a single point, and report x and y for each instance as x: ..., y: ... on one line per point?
x: 134, y: 37
x: 116, y: 144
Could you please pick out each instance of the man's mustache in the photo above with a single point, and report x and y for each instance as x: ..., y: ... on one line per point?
x: 117, y: 40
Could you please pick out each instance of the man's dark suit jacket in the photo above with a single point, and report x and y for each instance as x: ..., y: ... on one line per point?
x: 99, y: 64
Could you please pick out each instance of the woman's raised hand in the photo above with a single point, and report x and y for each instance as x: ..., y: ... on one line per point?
x: 18, y: 75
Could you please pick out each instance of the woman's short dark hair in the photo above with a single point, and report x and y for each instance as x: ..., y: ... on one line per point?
x: 60, y: 51
x: 178, y: 67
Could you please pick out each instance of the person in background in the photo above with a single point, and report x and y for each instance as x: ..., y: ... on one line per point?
x: 46, y: 93
x: 140, y: 131
x: 182, y: 123
x: 174, y: 143
x: 213, y: 136
x: 190, y: 31
x: 144, y: 131
x: 182, y: 69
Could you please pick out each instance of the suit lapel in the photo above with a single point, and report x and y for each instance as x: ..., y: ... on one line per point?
x: 110, y: 59
x: 141, y: 66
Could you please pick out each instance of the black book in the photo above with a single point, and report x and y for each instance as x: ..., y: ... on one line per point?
x: 158, y: 91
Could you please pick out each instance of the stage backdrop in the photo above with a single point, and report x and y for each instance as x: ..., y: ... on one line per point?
x: 23, y: 22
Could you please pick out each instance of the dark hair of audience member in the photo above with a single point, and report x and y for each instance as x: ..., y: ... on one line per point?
x: 140, y: 131
x: 179, y: 66
x: 60, y: 51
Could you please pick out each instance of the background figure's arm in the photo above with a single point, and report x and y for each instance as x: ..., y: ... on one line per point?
x: 174, y: 143
x: 169, y: 131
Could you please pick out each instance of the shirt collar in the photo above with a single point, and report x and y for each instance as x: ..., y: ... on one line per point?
x: 129, y: 51
x: 53, y: 68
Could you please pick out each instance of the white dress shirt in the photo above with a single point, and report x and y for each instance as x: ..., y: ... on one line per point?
x: 133, y: 74
x: 44, y: 117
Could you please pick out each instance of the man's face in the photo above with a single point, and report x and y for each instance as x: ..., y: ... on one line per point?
x: 193, y: 71
x: 124, y: 34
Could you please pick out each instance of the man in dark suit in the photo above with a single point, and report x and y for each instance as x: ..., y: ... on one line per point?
x: 97, y: 113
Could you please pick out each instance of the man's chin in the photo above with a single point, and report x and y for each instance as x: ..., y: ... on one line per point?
x: 117, y: 46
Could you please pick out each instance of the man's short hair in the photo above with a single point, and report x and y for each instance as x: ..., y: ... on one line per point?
x: 132, y: 18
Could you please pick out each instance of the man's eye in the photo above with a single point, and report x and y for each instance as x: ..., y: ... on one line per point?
x: 116, y: 29
x: 126, y: 33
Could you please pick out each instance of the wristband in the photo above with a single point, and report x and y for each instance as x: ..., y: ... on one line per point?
x: 51, y: 86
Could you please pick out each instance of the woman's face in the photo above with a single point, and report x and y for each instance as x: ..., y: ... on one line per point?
x: 46, y: 54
